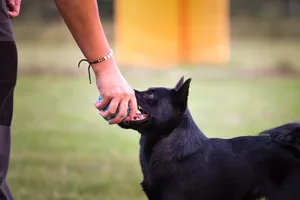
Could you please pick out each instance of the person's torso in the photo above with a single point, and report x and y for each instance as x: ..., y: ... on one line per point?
x: 6, y: 33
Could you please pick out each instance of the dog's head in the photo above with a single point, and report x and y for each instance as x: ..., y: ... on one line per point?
x: 160, y: 109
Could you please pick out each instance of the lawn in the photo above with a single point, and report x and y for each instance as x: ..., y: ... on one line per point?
x: 63, y: 150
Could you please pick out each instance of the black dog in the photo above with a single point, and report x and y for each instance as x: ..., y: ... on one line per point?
x: 180, y: 163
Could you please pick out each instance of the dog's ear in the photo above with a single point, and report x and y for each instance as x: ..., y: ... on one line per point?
x: 181, y: 95
x: 180, y: 82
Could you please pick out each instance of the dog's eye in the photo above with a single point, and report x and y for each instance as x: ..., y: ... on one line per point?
x: 150, y: 98
x: 150, y: 95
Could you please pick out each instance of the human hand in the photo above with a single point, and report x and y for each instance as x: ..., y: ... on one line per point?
x: 14, y: 7
x: 115, y: 91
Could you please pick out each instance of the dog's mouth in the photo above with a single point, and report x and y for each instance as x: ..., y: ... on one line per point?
x: 140, y: 116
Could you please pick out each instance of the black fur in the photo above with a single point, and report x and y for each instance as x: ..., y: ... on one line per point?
x: 180, y: 163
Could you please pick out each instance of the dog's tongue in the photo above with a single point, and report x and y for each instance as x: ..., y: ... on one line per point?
x: 139, y: 116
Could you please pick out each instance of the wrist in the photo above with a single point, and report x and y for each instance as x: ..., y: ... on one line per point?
x: 104, y: 66
x: 101, y: 66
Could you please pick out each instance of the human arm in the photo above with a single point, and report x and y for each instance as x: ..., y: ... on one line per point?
x: 83, y: 21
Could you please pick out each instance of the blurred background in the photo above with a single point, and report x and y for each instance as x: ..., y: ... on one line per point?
x: 245, y: 70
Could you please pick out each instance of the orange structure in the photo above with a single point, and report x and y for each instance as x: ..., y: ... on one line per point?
x: 152, y: 33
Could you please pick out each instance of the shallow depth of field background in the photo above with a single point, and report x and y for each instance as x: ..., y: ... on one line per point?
x: 62, y: 149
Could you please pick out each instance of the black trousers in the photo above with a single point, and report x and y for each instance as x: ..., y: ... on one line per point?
x: 8, y: 79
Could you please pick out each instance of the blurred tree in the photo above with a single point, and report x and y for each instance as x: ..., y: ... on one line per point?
x: 277, y: 17
x: 46, y: 11
x: 290, y: 8
x: 39, y: 11
x: 261, y: 9
x: 106, y: 9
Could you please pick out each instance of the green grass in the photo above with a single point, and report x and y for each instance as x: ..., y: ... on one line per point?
x: 257, y: 53
x: 63, y: 150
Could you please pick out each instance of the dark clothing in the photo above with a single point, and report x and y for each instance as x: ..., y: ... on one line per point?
x: 4, y: 162
x: 6, y: 33
x: 8, y: 77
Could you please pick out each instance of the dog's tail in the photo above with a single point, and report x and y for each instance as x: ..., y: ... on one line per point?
x: 286, y: 135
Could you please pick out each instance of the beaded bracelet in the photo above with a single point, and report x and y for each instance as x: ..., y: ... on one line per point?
x: 109, y: 55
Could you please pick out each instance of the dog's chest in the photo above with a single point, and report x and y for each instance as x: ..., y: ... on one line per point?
x: 157, y: 173
x: 157, y: 179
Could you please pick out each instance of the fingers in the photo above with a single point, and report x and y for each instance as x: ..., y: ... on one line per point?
x: 112, y: 109
x: 104, y: 103
x: 133, y: 108
x: 122, y: 113
x: 118, y: 106
x: 13, y: 14
x: 13, y: 8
